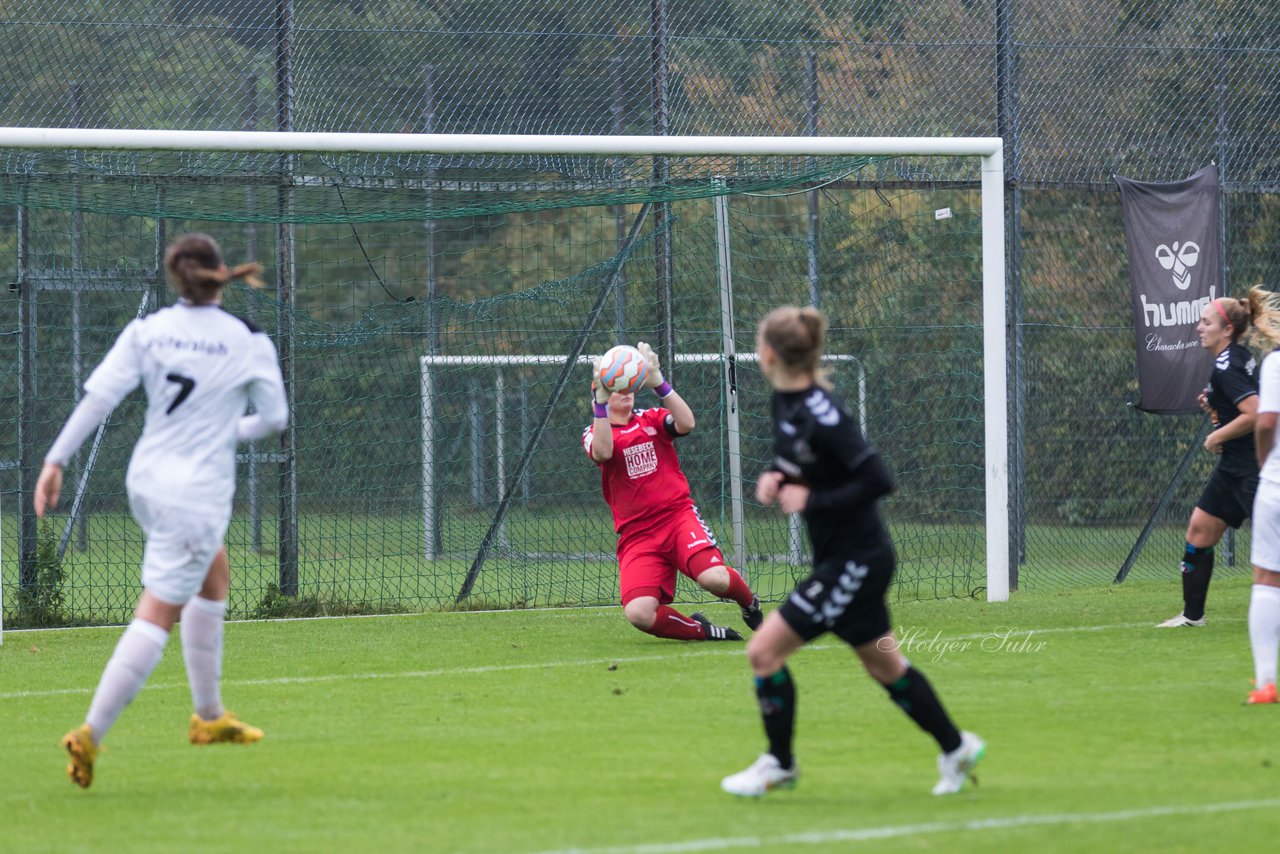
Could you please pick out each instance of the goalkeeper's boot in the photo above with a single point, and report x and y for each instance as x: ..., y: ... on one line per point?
x: 1266, y: 694
x: 957, y: 766
x: 712, y: 632
x: 227, y: 729
x: 752, y: 615
x: 80, y: 747
x: 763, y: 776
x: 1179, y: 621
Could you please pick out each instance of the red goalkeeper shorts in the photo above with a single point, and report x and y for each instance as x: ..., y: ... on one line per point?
x: 649, y: 560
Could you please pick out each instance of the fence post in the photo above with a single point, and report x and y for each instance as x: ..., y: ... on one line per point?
x: 1220, y: 93
x: 248, y: 122
x: 663, y: 259
x: 620, y: 211
x: 1007, y: 128
x: 811, y: 129
x: 432, y: 525
x: 476, y: 441
x: 77, y: 319
x: 500, y: 441
x: 28, y: 460
x: 286, y: 297
x: 724, y: 269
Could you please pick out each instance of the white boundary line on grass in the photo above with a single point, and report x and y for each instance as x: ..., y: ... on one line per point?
x: 901, y: 830
x: 406, y: 674
x: 718, y: 650
x: 402, y: 614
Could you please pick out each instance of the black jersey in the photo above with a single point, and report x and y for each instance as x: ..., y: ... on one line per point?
x: 1234, y: 378
x: 817, y: 443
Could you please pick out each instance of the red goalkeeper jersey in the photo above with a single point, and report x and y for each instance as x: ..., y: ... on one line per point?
x: 643, y: 483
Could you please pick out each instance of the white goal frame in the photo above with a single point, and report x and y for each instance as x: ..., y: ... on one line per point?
x: 496, y: 364
x: 990, y: 151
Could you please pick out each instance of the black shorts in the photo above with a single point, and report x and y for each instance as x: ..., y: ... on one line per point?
x: 1229, y: 496
x: 845, y: 597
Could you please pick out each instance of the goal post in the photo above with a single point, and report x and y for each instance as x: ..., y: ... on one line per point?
x: 335, y: 146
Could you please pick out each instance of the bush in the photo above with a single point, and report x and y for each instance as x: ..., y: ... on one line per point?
x: 41, y: 604
x: 276, y: 605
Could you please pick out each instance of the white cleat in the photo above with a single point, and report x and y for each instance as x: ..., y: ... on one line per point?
x: 957, y: 766
x: 1180, y: 620
x: 764, y: 775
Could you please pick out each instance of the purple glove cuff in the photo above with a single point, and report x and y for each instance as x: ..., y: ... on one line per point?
x: 664, y: 389
x: 601, y: 409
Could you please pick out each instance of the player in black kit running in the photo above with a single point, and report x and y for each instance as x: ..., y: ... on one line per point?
x: 824, y: 468
x: 1232, y: 402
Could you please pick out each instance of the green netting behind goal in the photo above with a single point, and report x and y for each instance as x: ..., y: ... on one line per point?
x: 449, y: 277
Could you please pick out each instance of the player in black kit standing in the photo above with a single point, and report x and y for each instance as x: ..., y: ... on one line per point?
x: 824, y: 468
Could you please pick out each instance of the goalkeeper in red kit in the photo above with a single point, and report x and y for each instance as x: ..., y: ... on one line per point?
x: 659, y: 529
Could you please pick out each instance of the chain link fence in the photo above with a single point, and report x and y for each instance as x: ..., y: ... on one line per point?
x: 1079, y: 91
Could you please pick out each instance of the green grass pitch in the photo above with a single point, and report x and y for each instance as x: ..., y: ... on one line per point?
x: 539, y: 731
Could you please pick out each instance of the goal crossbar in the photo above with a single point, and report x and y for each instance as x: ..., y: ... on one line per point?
x: 483, y: 143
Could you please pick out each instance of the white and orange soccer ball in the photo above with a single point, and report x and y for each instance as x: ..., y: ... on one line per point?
x: 622, y: 369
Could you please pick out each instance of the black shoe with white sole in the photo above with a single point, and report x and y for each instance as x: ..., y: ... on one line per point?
x: 714, y: 632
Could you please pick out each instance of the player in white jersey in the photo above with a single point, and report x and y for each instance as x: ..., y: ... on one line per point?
x: 1264, y: 602
x: 199, y: 367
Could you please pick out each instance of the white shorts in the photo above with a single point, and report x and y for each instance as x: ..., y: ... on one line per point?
x: 180, y: 547
x: 1265, y: 549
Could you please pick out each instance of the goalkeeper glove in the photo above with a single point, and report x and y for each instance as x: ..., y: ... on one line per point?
x: 600, y: 394
x: 654, y: 379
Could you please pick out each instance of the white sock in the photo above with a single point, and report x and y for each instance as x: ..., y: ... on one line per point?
x: 136, y: 655
x: 1264, y: 631
x: 202, y: 649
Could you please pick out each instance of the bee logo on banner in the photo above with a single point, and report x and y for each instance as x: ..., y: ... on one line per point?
x: 1174, y: 272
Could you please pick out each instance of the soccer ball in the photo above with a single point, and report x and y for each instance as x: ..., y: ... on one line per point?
x: 622, y: 369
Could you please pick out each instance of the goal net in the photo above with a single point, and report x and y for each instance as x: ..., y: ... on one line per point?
x: 435, y: 299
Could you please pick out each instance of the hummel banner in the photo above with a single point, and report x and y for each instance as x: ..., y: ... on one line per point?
x: 1172, y: 234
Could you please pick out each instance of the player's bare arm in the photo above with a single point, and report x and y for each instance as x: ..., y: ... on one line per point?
x: 601, y: 432
x: 681, y: 415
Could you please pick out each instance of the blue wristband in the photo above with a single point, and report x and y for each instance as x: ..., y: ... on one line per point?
x: 601, y: 409
x: 664, y: 389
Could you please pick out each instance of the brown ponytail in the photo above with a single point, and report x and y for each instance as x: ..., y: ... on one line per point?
x: 1237, y: 313
x: 197, y: 272
x: 797, y: 336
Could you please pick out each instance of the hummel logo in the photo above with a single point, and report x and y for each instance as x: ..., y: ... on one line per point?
x: 822, y: 408
x: 1179, y: 259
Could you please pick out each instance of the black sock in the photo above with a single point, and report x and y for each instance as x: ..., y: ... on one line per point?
x: 914, y: 695
x: 777, y: 696
x: 1197, y: 570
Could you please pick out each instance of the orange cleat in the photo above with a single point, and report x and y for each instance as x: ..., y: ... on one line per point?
x: 1265, y: 694
x: 227, y: 729
x: 80, y: 747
